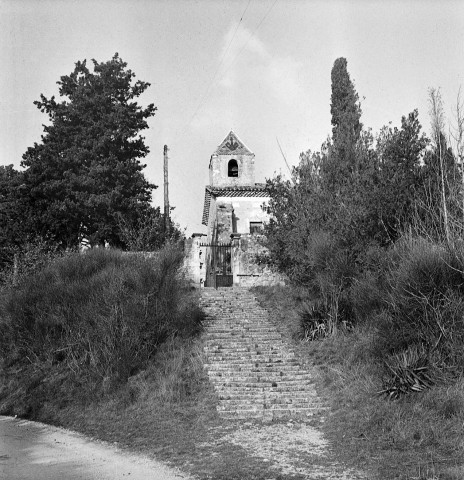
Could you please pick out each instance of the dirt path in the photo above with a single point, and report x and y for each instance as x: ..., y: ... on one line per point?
x: 34, y: 451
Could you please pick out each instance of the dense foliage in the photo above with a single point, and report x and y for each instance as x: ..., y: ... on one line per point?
x: 364, y: 225
x: 95, y: 319
x: 11, y: 205
x: 83, y: 184
x: 359, y: 190
x: 87, y: 170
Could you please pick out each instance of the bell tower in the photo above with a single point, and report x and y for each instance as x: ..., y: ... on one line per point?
x: 232, y: 164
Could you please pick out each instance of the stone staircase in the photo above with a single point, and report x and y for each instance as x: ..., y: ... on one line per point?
x: 254, y: 372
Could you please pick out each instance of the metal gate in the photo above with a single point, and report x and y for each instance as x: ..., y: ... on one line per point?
x: 218, y: 265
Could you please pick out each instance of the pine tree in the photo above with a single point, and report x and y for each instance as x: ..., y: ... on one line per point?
x: 346, y: 125
x: 86, y: 172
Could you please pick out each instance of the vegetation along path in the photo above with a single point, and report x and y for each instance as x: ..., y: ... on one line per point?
x: 263, y: 388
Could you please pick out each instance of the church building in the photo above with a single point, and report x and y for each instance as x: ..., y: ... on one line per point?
x: 233, y: 200
x: 227, y: 255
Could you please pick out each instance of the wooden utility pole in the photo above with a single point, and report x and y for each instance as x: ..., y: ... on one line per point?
x: 166, y: 191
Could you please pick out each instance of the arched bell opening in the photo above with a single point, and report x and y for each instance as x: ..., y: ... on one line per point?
x: 232, y: 168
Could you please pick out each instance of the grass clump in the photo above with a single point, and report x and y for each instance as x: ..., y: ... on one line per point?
x: 86, y: 323
x: 424, y: 303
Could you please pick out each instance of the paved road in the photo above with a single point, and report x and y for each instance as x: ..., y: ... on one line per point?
x: 34, y: 451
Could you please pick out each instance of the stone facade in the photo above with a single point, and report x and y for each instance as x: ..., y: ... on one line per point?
x: 248, y: 210
x: 248, y: 269
x: 232, y: 150
x: 218, y: 170
x: 194, y: 262
x: 234, y: 215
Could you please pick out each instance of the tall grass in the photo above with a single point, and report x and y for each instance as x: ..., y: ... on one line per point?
x: 393, y: 375
x: 20, y: 262
x: 412, y: 294
x: 90, y: 321
x: 422, y: 322
x: 416, y: 436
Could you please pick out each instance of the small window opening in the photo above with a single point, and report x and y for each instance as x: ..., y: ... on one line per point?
x: 232, y: 170
x: 256, y: 227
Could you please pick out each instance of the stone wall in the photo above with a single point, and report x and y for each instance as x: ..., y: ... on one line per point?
x: 218, y: 174
x: 194, y: 260
x: 212, y: 220
x: 248, y: 272
x: 224, y: 223
x: 248, y: 210
x: 233, y: 215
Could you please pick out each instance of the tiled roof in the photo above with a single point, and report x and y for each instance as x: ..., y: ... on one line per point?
x: 257, y: 190
x: 232, y: 145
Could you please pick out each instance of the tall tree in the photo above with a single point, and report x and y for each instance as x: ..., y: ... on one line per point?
x: 86, y: 172
x: 401, y: 152
x: 346, y: 126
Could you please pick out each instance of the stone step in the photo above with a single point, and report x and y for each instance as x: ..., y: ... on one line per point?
x: 252, y: 369
x: 267, y: 389
x: 249, y: 351
x: 232, y: 347
x: 276, y: 398
x: 240, y: 328
x: 244, y: 347
x: 238, y: 364
x: 264, y: 378
x: 243, y: 329
x: 242, y: 340
x: 244, y: 352
x: 249, y: 358
x: 263, y: 367
x: 282, y: 385
x: 249, y: 332
x: 228, y: 407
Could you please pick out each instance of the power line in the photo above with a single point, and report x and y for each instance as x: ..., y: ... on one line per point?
x: 233, y: 60
x: 203, y: 98
x: 250, y: 37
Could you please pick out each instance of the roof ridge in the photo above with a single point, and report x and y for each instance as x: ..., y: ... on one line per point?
x: 256, y: 186
x: 232, y: 145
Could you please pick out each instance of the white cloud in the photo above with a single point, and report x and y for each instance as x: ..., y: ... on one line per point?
x: 246, y: 61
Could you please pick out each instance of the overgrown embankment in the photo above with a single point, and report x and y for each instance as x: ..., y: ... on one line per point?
x: 87, y: 325
x: 390, y: 347
x: 106, y: 343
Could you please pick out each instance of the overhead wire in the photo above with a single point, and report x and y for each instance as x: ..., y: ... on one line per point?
x: 250, y: 37
x: 229, y: 66
x: 203, y: 98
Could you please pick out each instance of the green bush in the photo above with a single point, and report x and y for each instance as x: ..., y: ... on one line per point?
x: 366, y: 296
x: 422, y: 312
x: 22, y: 262
x: 101, y: 315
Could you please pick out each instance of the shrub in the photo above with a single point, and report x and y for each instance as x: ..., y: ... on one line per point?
x: 101, y: 315
x: 22, y: 262
x: 366, y: 296
x: 331, y: 273
x: 423, y: 310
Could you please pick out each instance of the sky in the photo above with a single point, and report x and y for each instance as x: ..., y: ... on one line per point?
x: 258, y: 67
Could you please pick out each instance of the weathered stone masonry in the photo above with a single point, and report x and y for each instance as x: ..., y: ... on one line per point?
x: 233, y: 214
